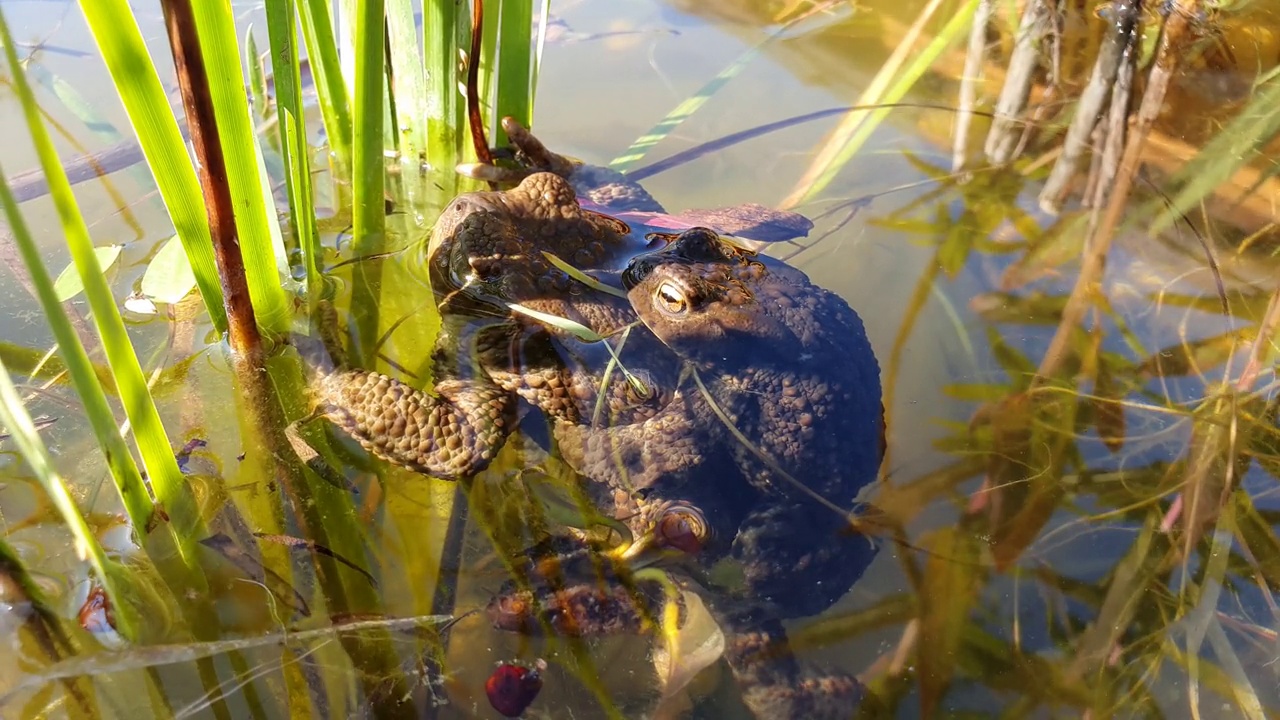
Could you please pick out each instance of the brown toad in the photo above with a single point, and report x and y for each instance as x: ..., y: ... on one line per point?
x: 754, y: 420
x: 489, y: 266
x: 783, y: 391
x: 489, y: 262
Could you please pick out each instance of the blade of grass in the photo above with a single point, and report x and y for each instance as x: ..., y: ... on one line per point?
x: 344, y: 23
x: 410, y: 90
x: 162, y: 467
x: 257, y: 78
x: 141, y: 658
x: 293, y: 138
x: 638, y: 149
x: 116, y: 33
x: 331, y: 90
x: 488, y: 76
x: 220, y: 48
x: 369, y: 172
x: 898, y: 75
x: 1241, y: 141
x: 446, y: 29
x: 582, y: 277
x: 577, y: 329
x: 544, y: 18
x: 643, y: 144
x: 275, y: 236
x: 515, y: 61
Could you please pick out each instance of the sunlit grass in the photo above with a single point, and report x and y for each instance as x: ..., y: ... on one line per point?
x: 292, y: 129
x: 358, y: 147
x: 901, y: 71
x: 120, y: 42
x: 164, y: 477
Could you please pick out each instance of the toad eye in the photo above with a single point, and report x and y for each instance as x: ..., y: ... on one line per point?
x: 671, y: 299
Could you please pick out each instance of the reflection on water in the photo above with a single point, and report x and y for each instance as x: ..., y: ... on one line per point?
x: 1103, y: 544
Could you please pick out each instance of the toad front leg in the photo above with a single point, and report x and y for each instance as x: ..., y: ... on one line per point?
x: 797, y: 559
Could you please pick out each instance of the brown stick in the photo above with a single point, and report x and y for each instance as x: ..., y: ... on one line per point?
x: 1246, y: 201
x: 1092, y: 101
x: 193, y: 79
x: 1117, y: 122
x: 1167, y: 57
x: 1007, y: 127
x: 969, y: 83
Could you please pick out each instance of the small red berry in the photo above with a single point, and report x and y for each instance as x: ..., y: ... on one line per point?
x: 512, y: 688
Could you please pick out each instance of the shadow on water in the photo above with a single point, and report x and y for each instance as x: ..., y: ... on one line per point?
x: 1098, y: 540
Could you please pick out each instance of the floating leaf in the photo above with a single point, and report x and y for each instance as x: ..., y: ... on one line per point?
x: 68, y: 284
x: 139, y: 305
x: 169, y: 277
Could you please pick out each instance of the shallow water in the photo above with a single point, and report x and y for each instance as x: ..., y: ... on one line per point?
x: 616, y: 69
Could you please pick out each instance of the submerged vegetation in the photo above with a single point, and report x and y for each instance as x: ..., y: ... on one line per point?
x: 1095, y: 535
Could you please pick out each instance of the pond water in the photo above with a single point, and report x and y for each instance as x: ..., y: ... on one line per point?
x: 985, y: 600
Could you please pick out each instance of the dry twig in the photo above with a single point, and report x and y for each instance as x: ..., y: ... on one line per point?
x: 1167, y: 58
x: 1007, y: 127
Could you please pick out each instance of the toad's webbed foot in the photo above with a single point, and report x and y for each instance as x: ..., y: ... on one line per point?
x: 451, y: 435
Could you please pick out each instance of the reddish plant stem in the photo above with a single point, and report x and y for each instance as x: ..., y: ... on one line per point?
x: 197, y: 103
x: 474, y: 118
